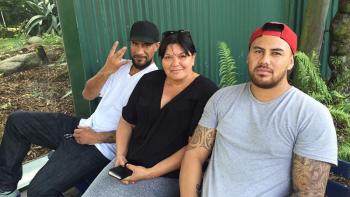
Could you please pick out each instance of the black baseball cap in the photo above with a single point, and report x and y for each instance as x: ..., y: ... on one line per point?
x: 144, y: 31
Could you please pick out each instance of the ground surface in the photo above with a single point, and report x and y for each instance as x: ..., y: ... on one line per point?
x: 40, y: 89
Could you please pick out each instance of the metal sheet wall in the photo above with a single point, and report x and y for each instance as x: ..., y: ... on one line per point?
x: 100, y: 22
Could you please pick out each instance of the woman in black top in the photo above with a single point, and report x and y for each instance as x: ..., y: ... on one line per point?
x: 160, y: 116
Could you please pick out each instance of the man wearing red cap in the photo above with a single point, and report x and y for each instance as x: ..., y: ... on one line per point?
x: 265, y: 137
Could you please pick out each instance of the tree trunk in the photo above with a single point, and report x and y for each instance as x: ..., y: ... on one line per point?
x: 314, y: 26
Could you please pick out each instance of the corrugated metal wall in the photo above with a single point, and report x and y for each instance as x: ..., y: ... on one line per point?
x: 100, y: 22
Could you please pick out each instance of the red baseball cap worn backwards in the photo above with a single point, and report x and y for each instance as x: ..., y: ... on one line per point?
x: 279, y: 30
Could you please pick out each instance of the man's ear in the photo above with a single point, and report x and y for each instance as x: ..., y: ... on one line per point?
x: 157, y: 45
x: 291, y: 64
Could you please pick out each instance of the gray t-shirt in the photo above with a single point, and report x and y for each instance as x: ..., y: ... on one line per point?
x: 255, y: 141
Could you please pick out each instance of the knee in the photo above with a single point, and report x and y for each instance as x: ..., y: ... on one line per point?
x: 16, y: 116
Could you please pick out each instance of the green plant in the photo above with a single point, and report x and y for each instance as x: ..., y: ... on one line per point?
x: 307, y: 78
x: 50, y: 39
x: 344, y: 150
x: 8, y: 44
x: 14, y: 12
x: 45, y: 20
x: 340, y: 75
x: 227, y: 66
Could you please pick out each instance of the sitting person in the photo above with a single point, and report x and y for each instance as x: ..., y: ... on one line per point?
x: 265, y: 137
x: 156, y: 123
x: 75, y: 157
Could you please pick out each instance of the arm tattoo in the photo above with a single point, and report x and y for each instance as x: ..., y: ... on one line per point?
x: 203, y: 137
x: 309, y: 176
x: 108, y: 137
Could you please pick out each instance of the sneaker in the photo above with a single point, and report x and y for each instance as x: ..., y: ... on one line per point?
x: 10, y: 194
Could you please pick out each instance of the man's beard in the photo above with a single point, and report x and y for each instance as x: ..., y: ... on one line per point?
x: 266, y: 85
x: 140, y: 66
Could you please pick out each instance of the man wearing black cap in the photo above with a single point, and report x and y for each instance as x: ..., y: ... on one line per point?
x: 74, y: 159
x: 265, y: 137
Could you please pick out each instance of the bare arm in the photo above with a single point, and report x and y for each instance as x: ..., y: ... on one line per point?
x: 199, y: 148
x: 122, y: 138
x: 94, y: 85
x: 165, y: 166
x: 309, y: 176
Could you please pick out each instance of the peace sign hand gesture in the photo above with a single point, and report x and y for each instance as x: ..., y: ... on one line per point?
x: 114, y: 59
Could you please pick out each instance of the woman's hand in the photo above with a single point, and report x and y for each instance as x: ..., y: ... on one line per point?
x: 139, y: 173
x: 120, y: 160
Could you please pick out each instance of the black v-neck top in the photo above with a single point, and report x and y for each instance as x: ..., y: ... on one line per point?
x: 160, y: 132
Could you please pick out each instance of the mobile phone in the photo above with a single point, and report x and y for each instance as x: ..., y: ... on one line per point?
x: 120, y: 172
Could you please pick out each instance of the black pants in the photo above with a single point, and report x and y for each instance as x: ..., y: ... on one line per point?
x: 70, y: 163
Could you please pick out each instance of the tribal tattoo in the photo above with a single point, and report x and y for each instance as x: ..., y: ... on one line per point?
x: 203, y: 137
x: 309, y: 176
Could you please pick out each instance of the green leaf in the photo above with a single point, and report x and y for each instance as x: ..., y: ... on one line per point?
x: 227, y: 65
x: 308, y: 78
x: 37, y: 21
x: 34, y: 19
x: 35, y: 6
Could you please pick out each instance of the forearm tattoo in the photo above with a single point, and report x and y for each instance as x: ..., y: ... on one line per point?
x: 309, y: 176
x: 108, y: 137
x: 203, y: 137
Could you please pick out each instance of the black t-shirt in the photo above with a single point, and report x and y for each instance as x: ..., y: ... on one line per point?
x: 160, y: 132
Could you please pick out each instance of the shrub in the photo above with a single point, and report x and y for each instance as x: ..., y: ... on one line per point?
x: 46, y: 18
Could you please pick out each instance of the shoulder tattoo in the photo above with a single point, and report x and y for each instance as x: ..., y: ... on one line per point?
x: 309, y: 176
x: 203, y: 137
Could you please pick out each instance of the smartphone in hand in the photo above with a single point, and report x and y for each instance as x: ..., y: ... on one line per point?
x: 120, y: 172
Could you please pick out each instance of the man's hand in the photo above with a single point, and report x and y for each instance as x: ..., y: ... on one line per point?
x: 114, y: 59
x: 86, y: 135
x: 139, y: 173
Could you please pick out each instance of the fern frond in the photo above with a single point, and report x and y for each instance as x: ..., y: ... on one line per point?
x: 341, y: 119
x: 341, y: 75
x: 344, y: 150
x: 308, y: 78
x: 227, y: 66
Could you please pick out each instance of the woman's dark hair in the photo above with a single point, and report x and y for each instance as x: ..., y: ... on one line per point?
x: 181, y: 37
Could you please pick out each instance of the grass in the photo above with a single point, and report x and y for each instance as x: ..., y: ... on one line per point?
x: 50, y: 39
x: 9, y: 44
x: 19, y: 41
